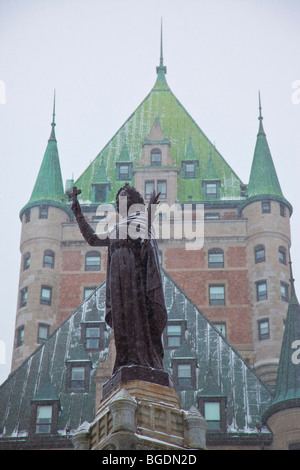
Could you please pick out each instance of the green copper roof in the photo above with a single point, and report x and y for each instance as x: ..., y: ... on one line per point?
x: 263, y: 178
x: 179, y: 129
x: 287, y: 391
x: 48, y: 188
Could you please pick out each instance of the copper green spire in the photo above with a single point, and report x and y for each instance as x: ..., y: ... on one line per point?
x: 48, y: 188
x: 287, y: 391
x: 263, y: 178
x: 161, y: 70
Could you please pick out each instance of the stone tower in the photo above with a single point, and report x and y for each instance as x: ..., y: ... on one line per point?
x: 268, y: 231
x: 42, y: 218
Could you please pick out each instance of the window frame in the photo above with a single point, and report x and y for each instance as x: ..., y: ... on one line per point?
x: 92, y: 267
x: 217, y: 302
x: 266, y: 207
x: 152, y: 182
x: 158, y: 162
x: 263, y: 336
x: 69, y: 383
x: 182, y: 325
x: 213, y: 264
x: 45, y: 300
x: 209, y: 195
x: 282, y: 255
x: 184, y: 383
x: 214, y: 426
x: 259, y: 249
x: 51, y: 255
x: 26, y: 261
x: 20, y: 336
x: 43, y: 212
x: 163, y: 195
x: 101, y: 338
x: 260, y: 297
x: 284, y: 296
x: 23, y: 297
x: 219, y: 325
x: 40, y: 339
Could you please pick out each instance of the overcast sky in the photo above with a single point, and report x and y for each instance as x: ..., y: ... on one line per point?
x: 100, y: 56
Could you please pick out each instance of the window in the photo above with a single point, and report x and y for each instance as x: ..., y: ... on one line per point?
x: 215, y: 258
x: 155, y: 157
x: 46, y: 295
x: 261, y: 290
x: 221, y: 327
x: 20, y: 336
x: 27, y: 216
x: 173, y: 336
x: 92, y: 335
x: 124, y: 171
x: 88, y: 291
x: 217, y: 295
x: 149, y: 188
x: 43, y: 419
x: 93, y: 261
x: 184, y: 376
x: 211, y: 191
x: 282, y: 210
x: 263, y: 329
x: 212, y: 414
x: 259, y: 254
x: 78, y: 376
x: 43, y: 212
x: 266, y: 207
x: 100, y: 192
x: 48, y: 261
x: 284, y: 289
x: 189, y: 169
x: 23, y: 297
x: 162, y: 188
x: 282, y: 255
x: 43, y: 333
x: 26, y: 261
x: 211, y: 215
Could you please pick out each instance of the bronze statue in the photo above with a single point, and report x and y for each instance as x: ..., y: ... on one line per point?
x: 135, y: 306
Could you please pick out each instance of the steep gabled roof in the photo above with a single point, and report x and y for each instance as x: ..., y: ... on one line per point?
x: 44, y: 372
x: 179, y: 128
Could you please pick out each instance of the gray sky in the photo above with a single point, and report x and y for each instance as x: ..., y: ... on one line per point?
x: 101, y: 55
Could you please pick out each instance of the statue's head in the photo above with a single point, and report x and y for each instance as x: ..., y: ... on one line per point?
x: 132, y: 195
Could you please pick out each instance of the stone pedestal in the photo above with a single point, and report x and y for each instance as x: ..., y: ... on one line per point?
x: 141, y: 415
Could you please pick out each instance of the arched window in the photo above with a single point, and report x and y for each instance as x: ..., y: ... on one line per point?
x: 215, y: 258
x: 155, y: 157
x: 93, y: 261
x: 259, y: 254
x: 48, y: 261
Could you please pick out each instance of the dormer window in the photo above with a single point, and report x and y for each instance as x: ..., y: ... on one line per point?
x: 124, y: 170
x: 190, y: 169
x: 156, y: 157
x: 214, y: 411
x: 174, y: 333
x: 78, y: 376
x: 211, y: 191
x: 43, y: 419
x: 92, y: 335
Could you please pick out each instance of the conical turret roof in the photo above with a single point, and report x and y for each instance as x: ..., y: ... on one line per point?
x: 48, y: 188
x: 287, y: 391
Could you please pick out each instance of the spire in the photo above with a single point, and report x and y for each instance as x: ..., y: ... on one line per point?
x: 263, y: 178
x: 161, y: 70
x: 287, y: 391
x: 52, y: 136
x: 48, y: 187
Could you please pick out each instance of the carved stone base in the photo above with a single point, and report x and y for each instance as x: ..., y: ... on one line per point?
x: 139, y: 415
x: 147, y: 374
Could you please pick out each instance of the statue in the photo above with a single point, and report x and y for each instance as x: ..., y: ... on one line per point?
x: 135, y: 306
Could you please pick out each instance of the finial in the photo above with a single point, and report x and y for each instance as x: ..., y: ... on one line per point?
x: 161, y: 44
x: 53, y: 115
x: 161, y: 67
x: 259, y: 101
x: 260, y: 118
x: 52, y: 136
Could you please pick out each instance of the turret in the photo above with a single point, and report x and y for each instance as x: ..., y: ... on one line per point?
x: 268, y: 231
x: 40, y: 250
x: 283, y: 416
